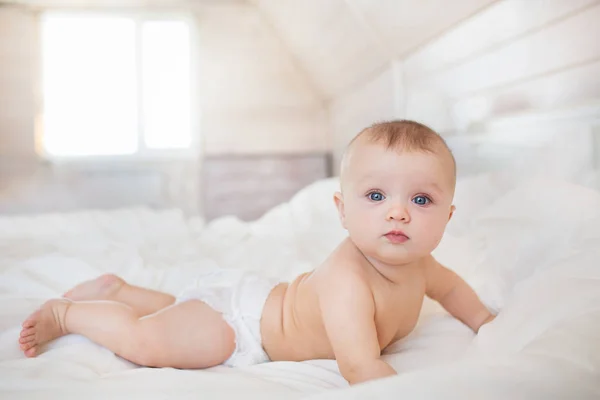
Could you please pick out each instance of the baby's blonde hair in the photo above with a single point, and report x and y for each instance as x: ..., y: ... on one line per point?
x: 406, y: 135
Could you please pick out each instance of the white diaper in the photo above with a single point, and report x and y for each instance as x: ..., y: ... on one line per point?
x: 240, y: 297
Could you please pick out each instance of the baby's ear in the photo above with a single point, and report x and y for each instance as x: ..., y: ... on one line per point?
x: 339, y: 204
x: 452, y: 209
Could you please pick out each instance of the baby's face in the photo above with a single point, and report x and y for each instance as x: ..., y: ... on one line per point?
x: 394, y: 205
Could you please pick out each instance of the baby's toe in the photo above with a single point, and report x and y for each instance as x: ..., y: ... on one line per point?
x: 31, y: 321
x: 32, y: 352
x: 27, y: 346
x: 27, y: 339
x: 27, y: 332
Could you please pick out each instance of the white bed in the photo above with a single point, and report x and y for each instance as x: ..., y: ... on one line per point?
x: 531, y: 249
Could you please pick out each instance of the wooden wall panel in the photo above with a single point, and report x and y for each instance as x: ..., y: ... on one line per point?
x: 256, y: 131
x: 544, y: 61
x: 248, y: 186
x: 499, y: 24
x: 568, y: 43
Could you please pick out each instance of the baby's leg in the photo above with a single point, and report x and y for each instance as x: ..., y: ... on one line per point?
x: 110, y: 287
x: 185, y: 335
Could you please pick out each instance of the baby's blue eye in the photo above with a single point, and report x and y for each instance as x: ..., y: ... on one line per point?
x: 376, y: 196
x: 421, y: 200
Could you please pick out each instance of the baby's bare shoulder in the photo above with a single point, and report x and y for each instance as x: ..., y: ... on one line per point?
x: 341, y: 270
x: 344, y: 263
x: 344, y: 286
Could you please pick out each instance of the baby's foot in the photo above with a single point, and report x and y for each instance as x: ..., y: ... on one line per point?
x: 44, y: 325
x: 102, y: 288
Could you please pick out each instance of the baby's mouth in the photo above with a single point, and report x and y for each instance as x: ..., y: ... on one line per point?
x: 397, y: 237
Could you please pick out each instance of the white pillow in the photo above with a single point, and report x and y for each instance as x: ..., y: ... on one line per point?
x: 546, y: 201
x: 526, y: 231
x: 475, y: 194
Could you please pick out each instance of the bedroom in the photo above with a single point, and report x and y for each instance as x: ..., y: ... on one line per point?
x: 277, y: 90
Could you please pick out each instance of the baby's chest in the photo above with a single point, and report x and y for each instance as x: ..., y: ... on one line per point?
x: 397, y: 316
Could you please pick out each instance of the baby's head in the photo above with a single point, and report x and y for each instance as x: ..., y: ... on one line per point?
x: 397, y: 185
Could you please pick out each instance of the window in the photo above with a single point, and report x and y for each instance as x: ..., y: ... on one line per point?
x: 115, y: 85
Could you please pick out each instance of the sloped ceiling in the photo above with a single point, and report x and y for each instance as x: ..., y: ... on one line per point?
x: 338, y: 43
x: 342, y: 43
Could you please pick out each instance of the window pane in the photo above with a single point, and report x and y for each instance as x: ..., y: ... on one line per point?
x: 166, y: 84
x: 89, y: 73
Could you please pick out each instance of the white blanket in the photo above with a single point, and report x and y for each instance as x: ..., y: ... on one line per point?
x: 532, y: 252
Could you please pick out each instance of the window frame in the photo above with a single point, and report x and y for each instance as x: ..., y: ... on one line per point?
x: 143, y: 152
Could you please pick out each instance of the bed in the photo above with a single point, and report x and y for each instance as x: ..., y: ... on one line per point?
x: 529, y: 243
x: 529, y: 247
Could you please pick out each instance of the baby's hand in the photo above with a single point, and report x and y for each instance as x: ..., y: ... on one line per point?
x: 455, y: 295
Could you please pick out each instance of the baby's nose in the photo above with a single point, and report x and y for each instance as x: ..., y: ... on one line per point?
x: 398, y: 212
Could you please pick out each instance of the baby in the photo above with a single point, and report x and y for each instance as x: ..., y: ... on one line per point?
x: 397, y: 185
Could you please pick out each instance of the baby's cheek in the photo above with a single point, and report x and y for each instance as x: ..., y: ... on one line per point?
x: 359, y: 231
x: 435, y: 235
x: 431, y: 232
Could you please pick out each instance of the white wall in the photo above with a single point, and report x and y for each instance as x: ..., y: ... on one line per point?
x: 19, y: 60
x: 259, y: 95
x: 253, y: 99
x: 514, y: 57
x: 377, y: 100
x: 343, y: 43
x: 250, y: 88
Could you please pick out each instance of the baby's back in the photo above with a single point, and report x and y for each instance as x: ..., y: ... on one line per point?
x: 293, y: 328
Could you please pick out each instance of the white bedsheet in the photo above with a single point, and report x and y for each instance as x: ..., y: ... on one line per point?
x: 533, y: 253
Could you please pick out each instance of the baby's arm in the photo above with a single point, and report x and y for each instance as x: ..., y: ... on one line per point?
x: 348, y: 313
x: 455, y: 295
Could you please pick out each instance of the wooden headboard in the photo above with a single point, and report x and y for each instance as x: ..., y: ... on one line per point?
x: 249, y: 185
